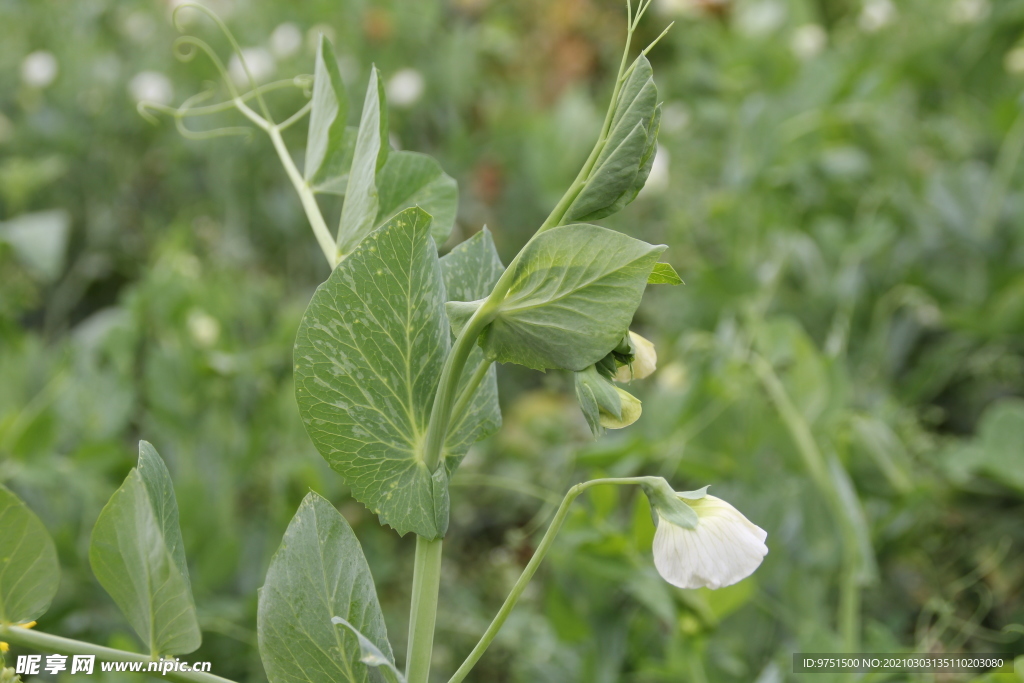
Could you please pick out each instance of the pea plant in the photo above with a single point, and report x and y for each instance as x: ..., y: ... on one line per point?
x: 395, y: 380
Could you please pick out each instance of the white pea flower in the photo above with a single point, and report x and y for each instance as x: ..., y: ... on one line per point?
x: 645, y: 360
x: 39, y: 69
x: 701, y: 540
x: 285, y: 40
x: 151, y: 86
x: 968, y: 11
x: 260, y: 62
x: 657, y: 181
x: 808, y: 41
x: 1013, y: 62
x: 405, y: 88
x: 203, y: 328
x: 876, y: 15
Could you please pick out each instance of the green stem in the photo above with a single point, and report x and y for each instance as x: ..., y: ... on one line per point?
x: 807, y: 447
x: 469, y: 391
x: 531, y: 569
x: 44, y: 642
x: 428, y: 563
x: 426, y: 581
x: 312, y: 209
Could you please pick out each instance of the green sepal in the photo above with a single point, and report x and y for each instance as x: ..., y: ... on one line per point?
x: 668, y: 505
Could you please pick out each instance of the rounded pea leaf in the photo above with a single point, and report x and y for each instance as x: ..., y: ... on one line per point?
x: 368, y: 357
x: 317, y: 576
x: 137, y: 554
x: 572, y: 298
x: 29, y: 572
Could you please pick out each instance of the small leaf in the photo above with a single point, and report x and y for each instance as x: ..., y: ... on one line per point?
x: 625, y: 160
x: 370, y: 655
x: 664, y: 274
x: 137, y: 555
x: 29, y: 572
x: 359, y: 213
x: 368, y: 356
x: 329, y: 112
x: 317, y: 574
x: 332, y: 178
x: 470, y: 271
x: 411, y: 179
x: 572, y: 298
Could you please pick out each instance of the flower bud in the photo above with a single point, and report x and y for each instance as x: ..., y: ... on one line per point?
x: 645, y: 360
x: 630, y: 409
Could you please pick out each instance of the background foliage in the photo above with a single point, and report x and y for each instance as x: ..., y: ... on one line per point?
x: 838, y: 184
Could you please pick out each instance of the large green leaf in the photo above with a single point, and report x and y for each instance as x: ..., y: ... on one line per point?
x: 328, y: 115
x: 470, y: 272
x: 368, y: 356
x: 572, y: 298
x: 625, y: 159
x: 413, y: 179
x: 29, y: 573
x: 137, y: 555
x: 359, y: 213
x: 318, y: 575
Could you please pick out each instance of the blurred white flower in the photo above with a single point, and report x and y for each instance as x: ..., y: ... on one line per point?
x: 285, y: 40
x: 138, y: 27
x: 314, y: 33
x: 405, y: 88
x: 203, y: 328
x: 724, y: 547
x: 673, y: 377
x: 808, y: 41
x: 876, y: 15
x: 675, y: 117
x: 759, y: 18
x: 657, y: 181
x: 151, y: 86
x: 39, y: 69
x: 1013, y: 62
x: 260, y: 62
x: 688, y: 7
x: 968, y: 11
x: 645, y: 360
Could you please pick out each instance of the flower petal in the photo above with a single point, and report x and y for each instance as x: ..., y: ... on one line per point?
x: 725, y: 547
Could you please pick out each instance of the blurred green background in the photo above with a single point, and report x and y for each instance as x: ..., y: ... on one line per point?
x: 839, y: 185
